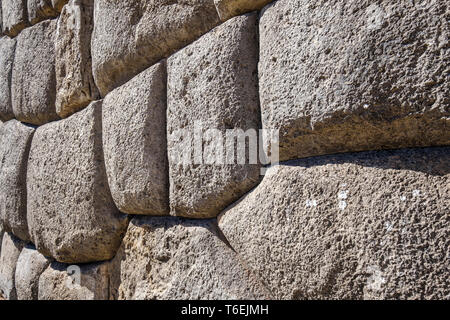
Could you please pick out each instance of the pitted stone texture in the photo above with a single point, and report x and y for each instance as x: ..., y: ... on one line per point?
x: 231, y: 8
x: 30, y: 265
x: 135, y: 146
x: 71, y: 215
x: 212, y: 81
x: 59, y: 4
x: 129, y: 36
x: 14, y: 13
x: 74, y: 81
x: 172, y: 258
x: 33, y: 87
x: 370, y: 225
x: 7, y: 47
x: 340, y: 76
x: 11, y: 248
x: 39, y: 10
x: 63, y: 282
x: 15, y: 141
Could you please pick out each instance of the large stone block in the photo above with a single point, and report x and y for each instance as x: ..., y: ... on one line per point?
x: 7, y: 47
x: 71, y: 282
x: 212, y: 84
x: 230, y: 8
x: 30, y: 265
x: 341, y: 76
x: 74, y: 81
x: 172, y: 258
x: 135, y: 145
x: 71, y: 215
x: 129, y: 36
x: 39, y: 10
x: 33, y: 87
x: 15, y: 142
x: 370, y: 225
x: 14, y: 13
x: 11, y: 248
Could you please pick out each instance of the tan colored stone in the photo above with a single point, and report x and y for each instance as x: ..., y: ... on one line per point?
x: 135, y: 146
x: 130, y: 36
x: 212, y: 81
x: 30, y: 266
x: 33, y: 87
x: 11, y: 248
x: 59, y: 4
x: 39, y: 10
x: 7, y: 47
x: 230, y: 8
x: 14, y: 14
x: 85, y: 282
x: 370, y: 225
x: 74, y: 81
x: 15, y: 142
x: 340, y: 76
x: 173, y: 258
x: 71, y: 215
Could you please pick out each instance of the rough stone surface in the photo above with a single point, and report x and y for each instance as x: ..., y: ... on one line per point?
x: 230, y: 8
x: 71, y: 215
x: 135, y: 146
x: 11, y: 248
x: 33, y: 87
x: 74, y: 81
x: 15, y: 141
x: 63, y: 282
x: 59, y: 4
x: 373, y: 225
x: 212, y: 81
x: 129, y: 36
x: 173, y: 258
x: 340, y: 76
x: 7, y: 47
x: 30, y: 266
x: 39, y: 10
x: 14, y: 13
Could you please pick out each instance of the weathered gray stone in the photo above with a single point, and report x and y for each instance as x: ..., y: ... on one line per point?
x: 71, y: 215
x: 135, y: 146
x: 7, y: 47
x: 59, y: 4
x: 172, y: 258
x: 1, y: 20
x: 39, y: 10
x: 30, y: 265
x: 370, y: 225
x: 33, y: 87
x: 14, y: 13
x: 84, y: 282
x: 340, y: 76
x: 11, y: 248
x: 74, y: 81
x: 15, y: 142
x: 2, y: 232
x: 231, y: 8
x: 129, y: 36
x: 212, y: 81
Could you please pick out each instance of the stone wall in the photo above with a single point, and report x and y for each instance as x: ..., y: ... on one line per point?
x: 95, y: 205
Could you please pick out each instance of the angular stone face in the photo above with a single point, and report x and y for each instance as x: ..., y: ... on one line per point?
x: 74, y: 82
x: 339, y: 76
x: 212, y: 83
x: 172, y: 258
x: 231, y: 8
x: 71, y: 214
x: 129, y: 36
x: 15, y: 142
x: 33, y: 87
x: 59, y: 4
x: 7, y: 47
x: 39, y: 10
x: 14, y: 13
x: 86, y: 282
x: 30, y: 266
x: 370, y: 225
x: 135, y: 146
x: 11, y: 248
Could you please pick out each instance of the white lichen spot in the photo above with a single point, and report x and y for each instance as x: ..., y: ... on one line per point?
x: 375, y: 17
x: 416, y: 193
x: 388, y: 226
x: 343, y: 194
x: 403, y: 198
x: 376, y: 281
x: 342, y: 205
x: 311, y: 203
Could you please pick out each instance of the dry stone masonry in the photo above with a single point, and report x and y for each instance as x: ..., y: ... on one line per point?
x: 122, y: 124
